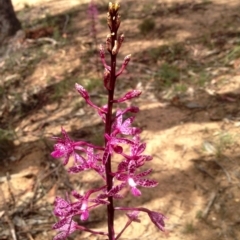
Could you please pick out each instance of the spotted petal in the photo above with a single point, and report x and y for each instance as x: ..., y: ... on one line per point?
x: 146, y: 183
x: 157, y: 219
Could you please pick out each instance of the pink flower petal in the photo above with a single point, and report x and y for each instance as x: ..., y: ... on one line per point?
x: 157, y: 219
x: 136, y: 192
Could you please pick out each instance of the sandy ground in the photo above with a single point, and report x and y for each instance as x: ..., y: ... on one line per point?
x: 193, y: 134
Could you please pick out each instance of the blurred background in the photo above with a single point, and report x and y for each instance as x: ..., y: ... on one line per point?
x: 185, y: 59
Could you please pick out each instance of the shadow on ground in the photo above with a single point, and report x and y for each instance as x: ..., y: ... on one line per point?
x: 184, y: 193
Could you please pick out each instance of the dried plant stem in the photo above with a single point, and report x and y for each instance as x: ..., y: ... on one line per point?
x: 10, y: 223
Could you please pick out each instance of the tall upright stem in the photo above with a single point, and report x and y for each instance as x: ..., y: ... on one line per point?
x: 108, y: 129
x: 108, y: 168
x: 113, y: 23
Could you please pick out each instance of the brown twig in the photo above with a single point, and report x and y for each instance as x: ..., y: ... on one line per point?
x: 202, y: 169
x: 43, y: 40
x: 225, y: 171
x: 40, y: 179
x: 209, y: 205
x: 10, y: 223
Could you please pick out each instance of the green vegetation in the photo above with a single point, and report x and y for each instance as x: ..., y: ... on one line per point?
x: 188, y: 228
x: 6, y: 141
x: 146, y: 26
x: 166, y: 76
x: 169, y: 52
x: 92, y: 84
x: 217, y: 144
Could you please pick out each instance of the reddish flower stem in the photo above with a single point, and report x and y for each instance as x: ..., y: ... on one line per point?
x: 108, y: 129
x: 125, y: 227
x: 91, y: 231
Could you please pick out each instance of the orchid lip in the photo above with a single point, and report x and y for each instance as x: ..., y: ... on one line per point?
x: 131, y: 182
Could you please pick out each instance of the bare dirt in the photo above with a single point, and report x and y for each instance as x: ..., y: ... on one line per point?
x: 188, y: 68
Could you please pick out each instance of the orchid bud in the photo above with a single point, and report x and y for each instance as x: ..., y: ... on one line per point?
x: 108, y: 42
x: 124, y: 65
x: 128, y: 96
x: 109, y: 21
x: 101, y: 51
x: 110, y: 6
x: 113, y: 7
x: 133, y: 94
x: 120, y: 40
x: 118, y: 21
x: 115, y: 48
x: 106, y: 79
x: 131, y: 109
x: 126, y: 60
x: 82, y: 91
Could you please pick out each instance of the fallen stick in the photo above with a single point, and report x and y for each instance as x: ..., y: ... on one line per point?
x: 209, y: 205
x: 224, y: 170
x: 10, y: 223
